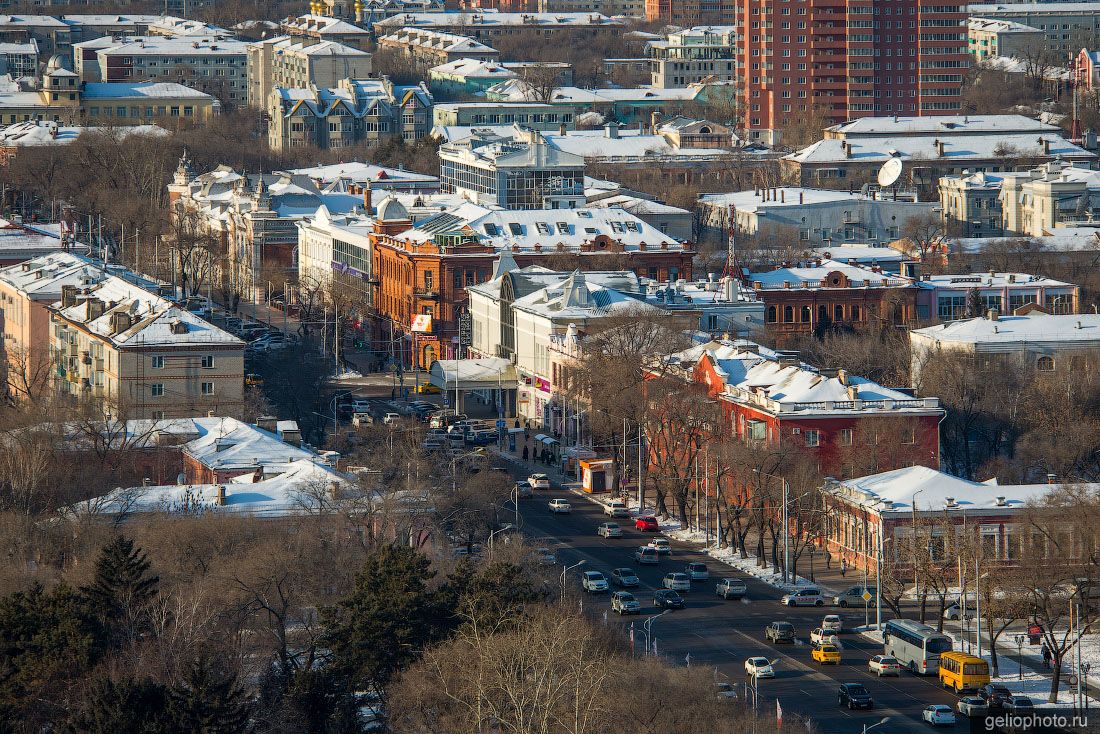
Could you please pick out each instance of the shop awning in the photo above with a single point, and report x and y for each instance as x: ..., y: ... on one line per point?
x: 473, y: 374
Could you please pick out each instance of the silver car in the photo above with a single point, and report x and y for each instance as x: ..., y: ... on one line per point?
x: 609, y: 530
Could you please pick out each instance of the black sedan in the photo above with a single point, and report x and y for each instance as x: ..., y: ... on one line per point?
x: 667, y: 599
x: 854, y: 696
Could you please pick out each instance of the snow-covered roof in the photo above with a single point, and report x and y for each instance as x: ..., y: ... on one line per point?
x: 636, y: 205
x: 147, y: 90
x: 860, y: 253
x: 630, y: 143
x: 990, y: 280
x: 437, y: 40
x: 812, y: 275
x: 41, y: 278
x: 109, y: 19
x: 1034, y: 8
x: 323, y: 24
x: 1059, y: 239
x: 15, y: 22
x: 577, y: 297
x: 941, y: 125
x: 21, y: 48
x: 152, y: 320
x: 161, y: 45
x: 362, y: 173
x: 469, y: 373
x: 918, y: 488
x: 308, y: 47
x: 1034, y: 328
x: 495, y: 20
x: 992, y: 25
x: 924, y: 149
x: 473, y: 68
x: 45, y: 132
x: 230, y: 444
x: 516, y: 90
x: 784, y: 196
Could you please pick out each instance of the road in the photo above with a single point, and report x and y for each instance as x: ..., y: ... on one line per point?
x: 723, y: 634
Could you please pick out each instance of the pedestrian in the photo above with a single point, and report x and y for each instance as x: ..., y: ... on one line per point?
x: 526, y: 453
x: 843, y: 567
x: 1046, y: 656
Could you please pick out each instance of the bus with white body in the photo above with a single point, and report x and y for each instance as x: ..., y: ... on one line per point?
x: 916, y: 646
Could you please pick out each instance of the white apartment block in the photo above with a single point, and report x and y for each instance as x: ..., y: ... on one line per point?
x: 692, y: 55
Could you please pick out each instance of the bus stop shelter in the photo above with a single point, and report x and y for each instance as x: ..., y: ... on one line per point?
x: 492, y: 379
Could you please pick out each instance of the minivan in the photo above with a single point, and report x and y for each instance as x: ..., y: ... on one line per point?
x: 804, y: 598
x: 853, y: 597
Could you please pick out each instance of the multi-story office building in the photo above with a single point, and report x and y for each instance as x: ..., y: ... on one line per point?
x: 610, y: 8
x: 534, y: 115
x: 514, y: 175
x: 355, y: 111
x: 324, y: 28
x: 1055, y: 195
x: 148, y: 358
x: 846, y: 61
x: 1068, y: 27
x: 989, y: 37
x: 301, y: 62
x: 19, y: 59
x: 212, y: 65
x: 694, y: 54
x: 971, y: 204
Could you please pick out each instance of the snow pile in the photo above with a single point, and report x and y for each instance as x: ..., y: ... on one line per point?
x: 348, y: 375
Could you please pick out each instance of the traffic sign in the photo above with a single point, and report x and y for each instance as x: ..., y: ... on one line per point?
x: 866, y: 595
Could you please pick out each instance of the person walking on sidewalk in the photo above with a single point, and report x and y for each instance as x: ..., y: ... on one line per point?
x: 526, y: 453
x: 843, y: 567
x: 1046, y: 656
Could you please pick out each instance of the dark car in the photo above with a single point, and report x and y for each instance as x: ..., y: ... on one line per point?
x: 1019, y: 704
x: 854, y: 696
x: 996, y: 697
x: 779, y: 632
x: 667, y: 599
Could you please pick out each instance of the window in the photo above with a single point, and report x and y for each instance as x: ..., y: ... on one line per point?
x: 156, y: 390
x: 813, y: 438
x: 157, y: 363
x: 756, y: 430
x: 908, y: 436
x: 207, y: 388
x: 844, y: 437
x: 208, y: 361
x: 770, y: 315
x: 788, y: 314
x: 427, y: 280
x: 1045, y: 364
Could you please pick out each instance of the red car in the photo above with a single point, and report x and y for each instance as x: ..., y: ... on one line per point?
x: 647, y: 524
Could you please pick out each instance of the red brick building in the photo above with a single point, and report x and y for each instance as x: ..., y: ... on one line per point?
x: 846, y: 59
x: 688, y: 13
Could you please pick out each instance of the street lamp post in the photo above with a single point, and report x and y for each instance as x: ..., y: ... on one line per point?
x: 786, y: 521
x: 1020, y: 655
x: 872, y: 726
x: 564, y: 571
x: 646, y: 625
x: 913, y: 537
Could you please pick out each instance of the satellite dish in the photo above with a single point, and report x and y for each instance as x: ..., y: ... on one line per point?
x: 890, y: 172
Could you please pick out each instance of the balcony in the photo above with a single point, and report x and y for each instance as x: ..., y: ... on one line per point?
x: 430, y: 293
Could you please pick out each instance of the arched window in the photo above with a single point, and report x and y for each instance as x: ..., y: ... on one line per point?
x: 788, y: 314
x: 804, y: 316
x: 822, y: 313
x: 854, y: 311
x: 770, y: 315
x: 838, y: 312
x: 1045, y: 364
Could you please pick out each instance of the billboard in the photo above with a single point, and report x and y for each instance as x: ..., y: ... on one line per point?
x: 422, y: 323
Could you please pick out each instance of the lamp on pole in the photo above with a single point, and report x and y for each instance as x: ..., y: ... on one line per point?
x: 564, y: 571
x: 786, y: 521
x: 872, y: 726
x: 913, y: 536
x: 1020, y: 655
x: 646, y: 625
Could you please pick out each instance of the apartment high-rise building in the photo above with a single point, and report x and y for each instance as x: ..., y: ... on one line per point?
x: 843, y: 60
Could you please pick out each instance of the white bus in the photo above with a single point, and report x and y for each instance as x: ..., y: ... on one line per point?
x: 915, y: 645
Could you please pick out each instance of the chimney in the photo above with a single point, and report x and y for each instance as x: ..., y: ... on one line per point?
x: 368, y: 196
x: 95, y: 308
x: 853, y: 392
x: 611, y: 130
x: 847, y: 150
x: 68, y: 296
x: 654, y: 118
x: 992, y: 315
x: 1001, y: 502
x: 120, y: 321
x: 949, y: 501
x: 842, y: 376
x: 801, y: 196
x: 1045, y: 142
x: 267, y: 423
x: 561, y: 130
x: 221, y: 495
x: 334, y: 490
x: 782, y: 196
x: 939, y: 147
x: 1052, y: 478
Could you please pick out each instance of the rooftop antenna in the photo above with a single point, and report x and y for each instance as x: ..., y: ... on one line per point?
x: 890, y: 174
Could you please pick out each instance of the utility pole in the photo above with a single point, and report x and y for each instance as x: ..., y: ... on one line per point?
x: 786, y: 531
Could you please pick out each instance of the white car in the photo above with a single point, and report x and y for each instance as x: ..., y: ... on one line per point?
x: 676, y: 582
x: 759, y: 668
x: 972, y: 706
x: 539, y: 481
x: 698, y: 571
x: 661, y: 546
x: 832, y: 623
x: 819, y: 636
x: 954, y: 610
x: 560, y: 505
x: 616, y: 508
x: 390, y: 418
x: 609, y: 530
x: 884, y: 665
x: 593, y: 581
x: 938, y: 714
x: 803, y: 598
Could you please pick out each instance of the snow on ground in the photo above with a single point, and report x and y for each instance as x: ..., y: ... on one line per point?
x: 348, y: 375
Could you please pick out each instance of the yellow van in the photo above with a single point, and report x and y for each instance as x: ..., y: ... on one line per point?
x: 961, y: 672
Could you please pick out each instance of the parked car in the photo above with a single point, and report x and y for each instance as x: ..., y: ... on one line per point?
x: 593, y: 581
x: 995, y: 696
x: 661, y: 546
x: 1020, y: 705
x: 731, y: 588
x: 819, y: 636
x: 854, y: 696
x: 759, y: 668
x: 539, y: 481
x: 647, y: 556
x: 779, y: 632
x: 647, y: 524
x: 725, y: 690
x: 667, y: 599
x: 624, y: 577
x: 545, y: 556
x: 853, y: 597
x: 938, y: 715
x: 561, y: 506
x: 609, y: 530
x: 826, y: 654
x: 360, y: 406
x: 954, y: 611
x: 698, y: 571
x: 832, y: 623
x: 884, y: 665
x: 624, y: 602
x: 676, y: 582
x: 972, y: 706
x: 804, y: 598
x: 390, y: 419
x: 616, y: 508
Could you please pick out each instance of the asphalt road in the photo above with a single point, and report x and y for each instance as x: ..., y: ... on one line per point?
x: 723, y: 634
